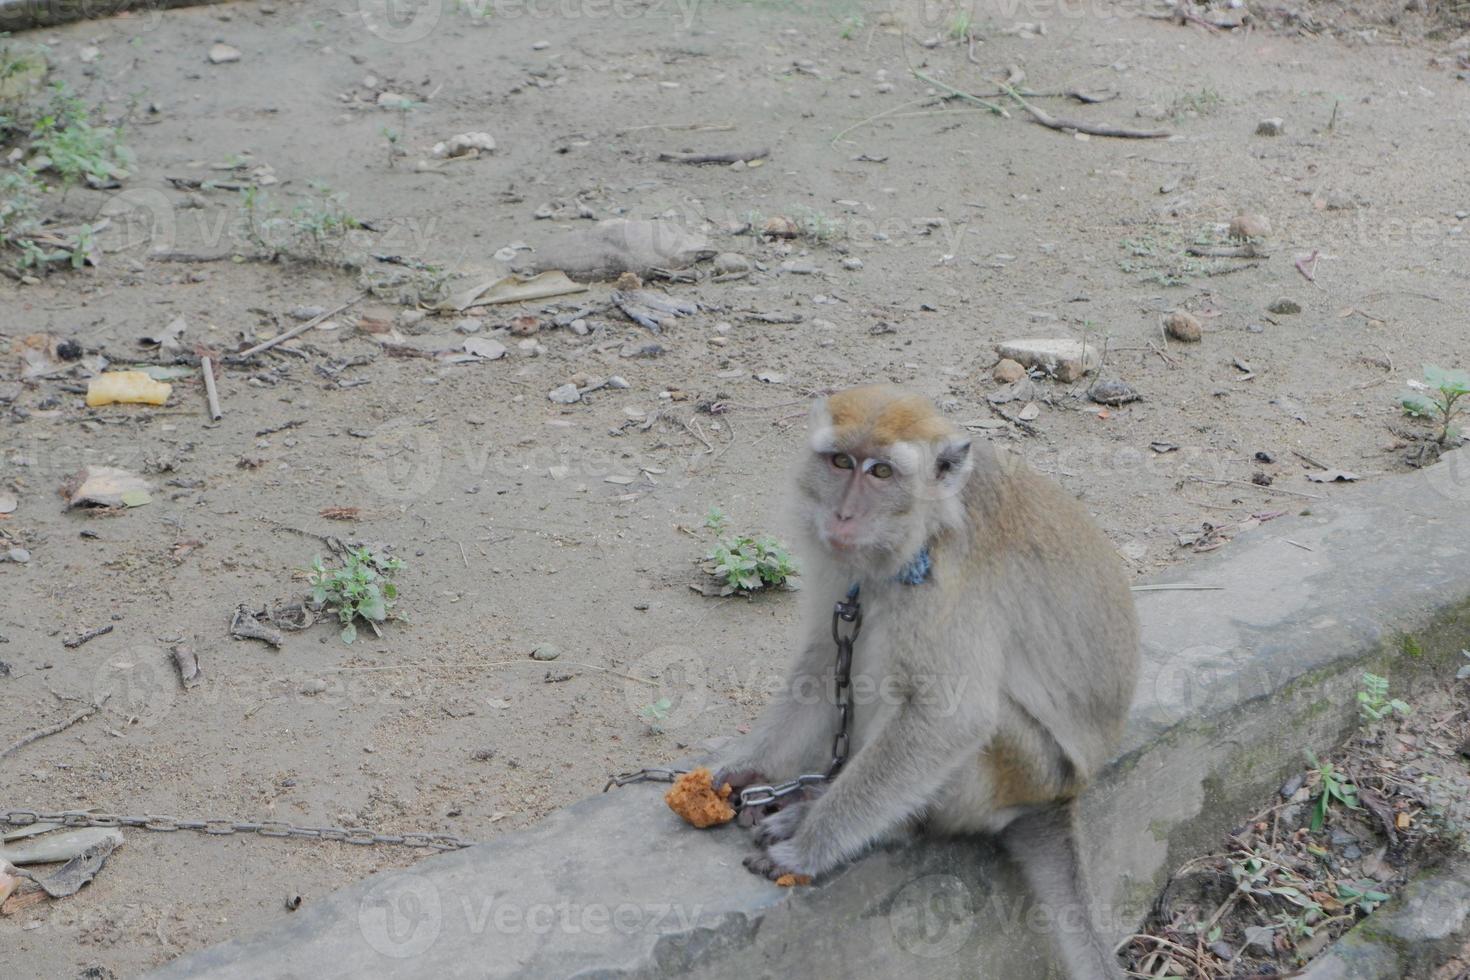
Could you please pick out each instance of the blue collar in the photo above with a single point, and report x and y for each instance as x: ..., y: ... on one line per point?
x: 915, y: 572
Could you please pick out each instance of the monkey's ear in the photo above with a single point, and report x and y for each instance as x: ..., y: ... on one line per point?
x: 819, y: 432
x: 953, y: 460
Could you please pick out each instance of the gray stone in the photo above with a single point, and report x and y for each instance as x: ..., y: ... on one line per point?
x: 565, y: 394
x: 1273, y: 126
x: 617, y: 886
x: 546, y: 651
x: 1284, y: 307
x: 1409, y: 936
x: 1064, y: 358
x: 18, y: 555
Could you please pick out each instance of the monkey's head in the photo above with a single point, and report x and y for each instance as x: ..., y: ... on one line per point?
x: 883, y: 477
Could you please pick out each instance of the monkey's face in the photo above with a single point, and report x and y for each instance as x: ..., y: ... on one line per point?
x: 884, y: 474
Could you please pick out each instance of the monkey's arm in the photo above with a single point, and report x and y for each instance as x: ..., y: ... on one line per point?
x: 794, y: 733
x: 888, y: 782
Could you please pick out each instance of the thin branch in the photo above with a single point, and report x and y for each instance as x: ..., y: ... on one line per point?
x: 60, y: 726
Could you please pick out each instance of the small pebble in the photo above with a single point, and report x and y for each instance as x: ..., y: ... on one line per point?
x: 1284, y: 307
x: 1007, y: 371
x: 852, y: 263
x: 220, y: 54
x: 1113, y: 393
x: 18, y: 555
x: 1274, y: 126
x: 1182, y: 326
x: 545, y: 651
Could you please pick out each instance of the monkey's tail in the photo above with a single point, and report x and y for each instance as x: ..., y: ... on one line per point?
x: 1043, y: 844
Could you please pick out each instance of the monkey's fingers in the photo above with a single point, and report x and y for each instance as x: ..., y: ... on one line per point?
x: 776, y: 827
x: 762, y: 865
x: 739, y: 778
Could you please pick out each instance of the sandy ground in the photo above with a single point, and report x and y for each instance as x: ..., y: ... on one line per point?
x: 971, y: 229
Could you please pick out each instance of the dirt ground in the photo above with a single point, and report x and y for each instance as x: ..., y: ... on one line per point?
x: 970, y: 229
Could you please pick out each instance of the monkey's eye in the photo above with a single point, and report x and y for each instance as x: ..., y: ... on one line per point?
x: 881, y: 470
x: 842, y: 461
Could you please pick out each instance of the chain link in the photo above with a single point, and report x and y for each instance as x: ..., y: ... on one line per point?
x: 847, y: 621
x: 847, y: 613
x: 221, y: 827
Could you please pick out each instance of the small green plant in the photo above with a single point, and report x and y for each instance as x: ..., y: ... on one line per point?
x: 655, y: 713
x: 1334, y: 788
x: 814, y: 225
x: 850, y: 27
x: 716, y: 520
x: 748, y: 564
x: 77, y: 150
x: 359, y: 589
x: 392, y: 137
x: 1200, y: 103
x: 1374, y: 703
x: 1440, y: 403
x: 1361, y: 894
x: 317, y: 228
x: 959, y: 25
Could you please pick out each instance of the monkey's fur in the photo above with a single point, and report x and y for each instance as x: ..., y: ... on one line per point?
x: 986, y: 695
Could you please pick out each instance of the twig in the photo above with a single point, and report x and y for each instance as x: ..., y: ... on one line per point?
x: 462, y: 556
x: 1315, y: 462
x: 1256, y: 486
x: 732, y: 157
x: 696, y: 127
x: 206, y: 365
x: 1095, y: 129
x: 692, y: 425
x: 293, y: 332
x: 60, y: 726
x: 1299, y: 544
x: 886, y: 112
x: 961, y: 94
x: 1177, y: 587
x: 1250, y: 250
x: 499, y: 663
x: 1307, y: 266
x: 89, y: 635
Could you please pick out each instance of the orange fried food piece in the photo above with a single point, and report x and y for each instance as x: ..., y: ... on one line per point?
x: 791, y: 878
x: 694, y: 797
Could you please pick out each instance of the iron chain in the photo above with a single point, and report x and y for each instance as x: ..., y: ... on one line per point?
x: 847, y: 621
x: 220, y: 827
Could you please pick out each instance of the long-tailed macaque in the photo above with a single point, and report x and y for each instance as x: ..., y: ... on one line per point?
x: 999, y: 650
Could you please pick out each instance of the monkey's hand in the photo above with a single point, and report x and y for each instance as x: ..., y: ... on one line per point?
x: 739, y: 775
x: 780, y: 820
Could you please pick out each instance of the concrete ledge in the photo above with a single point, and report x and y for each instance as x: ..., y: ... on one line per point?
x: 1237, y: 683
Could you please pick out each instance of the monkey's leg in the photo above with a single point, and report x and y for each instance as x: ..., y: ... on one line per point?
x: 889, y: 781
x: 1043, y: 843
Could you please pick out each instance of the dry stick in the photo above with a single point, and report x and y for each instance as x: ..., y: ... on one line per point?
x: 87, y: 636
x: 960, y: 93
x: 1176, y: 587
x: 1256, y: 486
x: 207, y: 366
x: 60, y: 726
x: 1315, y: 462
x: 1247, y: 251
x: 733, y: 157
x: 498, y: 663
x: 293, y: 332
x: 1095, y: 129
x: 886, y: 112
